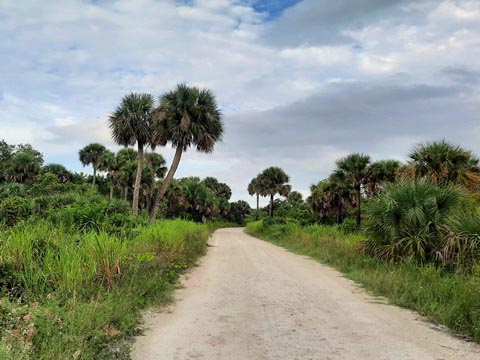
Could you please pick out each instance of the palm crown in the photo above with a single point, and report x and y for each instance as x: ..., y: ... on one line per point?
x: 187, y: 117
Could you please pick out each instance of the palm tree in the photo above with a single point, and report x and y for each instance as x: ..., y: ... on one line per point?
x: 332, y: 196
x: 381, y: 172
x: 131, y: 124
x: 254, y: 188
x: 187, y: 116
x: 443, y: 163
x: 220, y: 189
x: 23, y: 167
x: 90, y: 155
x: 354, y: 168
x: 157, y: 163
x: 273, y: 180
x: 109, y: 162
x: 156, y: 169
x: 295, y: 197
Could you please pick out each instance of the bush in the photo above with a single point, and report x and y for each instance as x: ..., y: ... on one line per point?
x: 14, y: 209
x: 12, y: 189
x: 408, y: 220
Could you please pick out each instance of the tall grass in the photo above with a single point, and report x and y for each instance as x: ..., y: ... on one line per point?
x: 451, y: 299
x: 77, y: 294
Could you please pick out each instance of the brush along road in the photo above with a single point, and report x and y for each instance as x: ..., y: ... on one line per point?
x: 249, y: 299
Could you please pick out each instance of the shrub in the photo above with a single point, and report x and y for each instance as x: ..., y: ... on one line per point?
x: 14, y: 209
x: 12, y: 189
x: 407, y: 220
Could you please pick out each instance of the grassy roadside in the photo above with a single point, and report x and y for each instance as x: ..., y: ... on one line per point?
x: 446, y: 298
x: 67, y: 294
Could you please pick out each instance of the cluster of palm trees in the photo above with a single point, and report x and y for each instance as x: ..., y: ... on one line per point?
x: 184, y: 117
x: 121, y: 169
x: 269, y: 182
x: 20, y: 163
x: 356, y: 177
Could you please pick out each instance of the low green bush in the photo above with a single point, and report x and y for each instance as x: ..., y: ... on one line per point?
x: 14, y: 209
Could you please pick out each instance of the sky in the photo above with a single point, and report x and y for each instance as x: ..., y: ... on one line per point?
x: 300, y: 83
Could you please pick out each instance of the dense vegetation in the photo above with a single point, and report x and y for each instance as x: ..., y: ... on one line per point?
x: 81, y: 255
x: 410, y: 231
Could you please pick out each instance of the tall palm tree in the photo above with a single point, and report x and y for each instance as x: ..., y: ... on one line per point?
x: 254, y: 188
x: 354, y: 168
x: 187, y: 116
x: 131, y: 124
x: 443, y: 163
x: 90, y: 155
x: 273, y: 180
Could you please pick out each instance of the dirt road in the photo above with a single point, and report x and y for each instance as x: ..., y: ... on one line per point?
x: 252, y: 300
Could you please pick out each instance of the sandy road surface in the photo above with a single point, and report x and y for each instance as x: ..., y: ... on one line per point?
x: 252, y: 300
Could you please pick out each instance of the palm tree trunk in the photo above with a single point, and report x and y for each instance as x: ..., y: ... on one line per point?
x: 271, y: 205
x: 125, y: 191
x: 359, y: 211
x: 138, y: 180
x: 94, y: 175
x: 166, y: 182
x: 257, y: 216
x: 148, y: 196
x: 111, y: 189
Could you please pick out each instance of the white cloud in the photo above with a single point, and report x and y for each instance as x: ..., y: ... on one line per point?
x: 323, y: 79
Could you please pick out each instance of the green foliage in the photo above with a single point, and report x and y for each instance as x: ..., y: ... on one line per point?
x: 406, y: 220
x: 14, y: 209
x: 69, y: 294
x: 12, y: 189
x: 444, y: 163
x: 188, y: 116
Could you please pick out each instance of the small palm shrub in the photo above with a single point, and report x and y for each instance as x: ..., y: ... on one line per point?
x: 409, y: 219
x: 14, y: 209
x: 462, y: 240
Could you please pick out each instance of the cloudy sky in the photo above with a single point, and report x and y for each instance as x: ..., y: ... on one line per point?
x: 300, y: 83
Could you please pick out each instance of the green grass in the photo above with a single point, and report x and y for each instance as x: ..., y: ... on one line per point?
x: 446, y: 298
x: 67, y: 294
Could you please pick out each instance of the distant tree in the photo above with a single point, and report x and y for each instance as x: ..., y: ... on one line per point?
x: 220, y: 189
x: 238, y: 210
x: 381, y: 172
x: 354, y: 168
x: 273, y: 180
x: 332, y: 197
x: 157, y: 163
x: 187, y: 117
x: 90, y: 155
x: 295, y: 198
x: 254, y: 188
x: 131, y: 124
x: 22, y: 164
x: 201, y: 202
x: 444, y: 163
x: 109, y: 163
x: 6, y: 153
x: 126, y: 176
x: 57, y: 169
